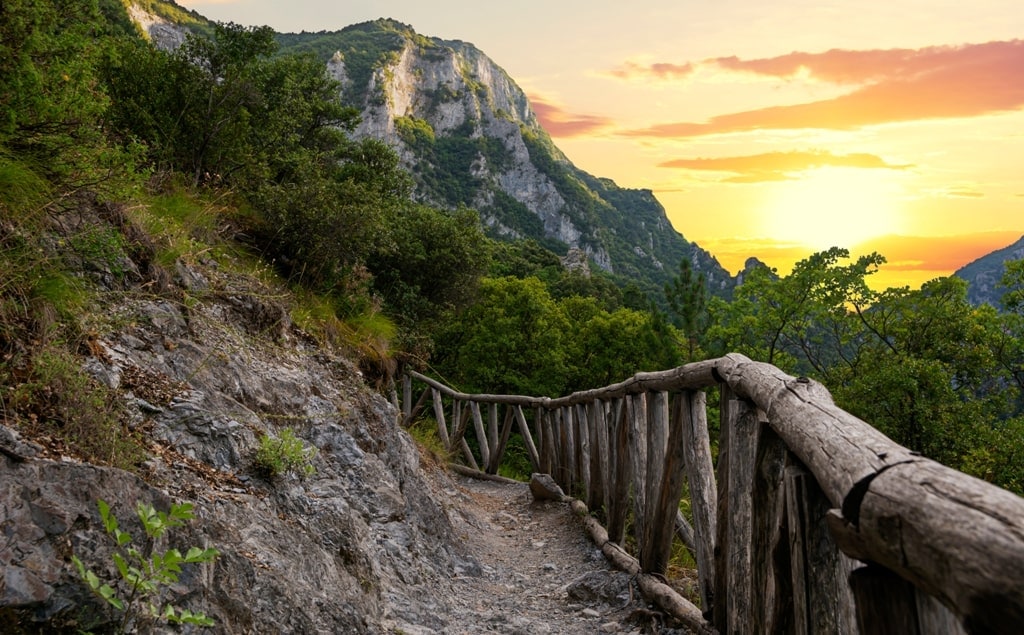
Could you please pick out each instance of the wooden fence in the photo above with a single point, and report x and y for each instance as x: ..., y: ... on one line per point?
x: 811, y: 521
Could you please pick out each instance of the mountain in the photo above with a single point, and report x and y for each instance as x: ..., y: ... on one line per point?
x: 983, y: 275
x: 467, y: 133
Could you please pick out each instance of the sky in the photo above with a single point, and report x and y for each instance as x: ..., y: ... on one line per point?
x: 767, y: 129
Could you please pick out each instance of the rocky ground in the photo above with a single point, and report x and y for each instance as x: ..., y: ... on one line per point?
x: 538, y: 572
x: 379, y: 539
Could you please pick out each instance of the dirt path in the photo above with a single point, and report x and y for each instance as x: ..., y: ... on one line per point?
x: 538, y: 572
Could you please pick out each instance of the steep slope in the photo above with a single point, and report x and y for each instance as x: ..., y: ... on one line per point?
x: 983, y: 275
x: 469, y: 136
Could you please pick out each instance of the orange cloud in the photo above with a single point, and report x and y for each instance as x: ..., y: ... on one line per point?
x: 660, y: 71
x: 936, y: 253
x: 778, y: 166
x: 961, y: 192
x: 901, y: 85
x: 560, y: 123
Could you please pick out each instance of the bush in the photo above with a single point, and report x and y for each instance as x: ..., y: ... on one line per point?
x: 285, y: 453
x: 146, y: 575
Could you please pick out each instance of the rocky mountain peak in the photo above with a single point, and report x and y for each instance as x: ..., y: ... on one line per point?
x: 468, y: 134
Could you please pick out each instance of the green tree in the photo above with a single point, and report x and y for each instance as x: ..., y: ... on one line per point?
x: 432, y: 265
x: 687, y: 298
x: 605, y: 347
x: 510, y: 341
x: 1012, y: 283
x: 800, y: 322
x: 50, y: 100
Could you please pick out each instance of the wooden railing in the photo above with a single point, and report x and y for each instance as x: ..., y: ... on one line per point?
x: 811, y: 521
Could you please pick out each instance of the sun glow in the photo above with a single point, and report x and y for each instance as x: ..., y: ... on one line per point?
x: 833, y: 207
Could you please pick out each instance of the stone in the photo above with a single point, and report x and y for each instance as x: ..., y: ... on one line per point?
x: 543, y: 487
x: 610, y: 588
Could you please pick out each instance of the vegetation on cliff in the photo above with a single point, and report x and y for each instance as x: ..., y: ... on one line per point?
x: 118, y: 161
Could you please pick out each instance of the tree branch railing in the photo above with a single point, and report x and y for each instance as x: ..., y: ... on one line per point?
x: 810, y: 521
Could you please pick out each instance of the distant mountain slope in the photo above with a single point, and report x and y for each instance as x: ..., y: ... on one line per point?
x: 983, y: 275
x: 469, y: 136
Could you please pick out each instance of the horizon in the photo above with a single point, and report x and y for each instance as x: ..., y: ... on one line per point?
x: 765, y: 131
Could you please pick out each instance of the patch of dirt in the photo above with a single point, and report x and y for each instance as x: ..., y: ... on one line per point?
x: 538, y: 571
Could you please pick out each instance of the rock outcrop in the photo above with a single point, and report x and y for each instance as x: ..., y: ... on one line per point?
x: 469, y: 135
x: 362, y: 543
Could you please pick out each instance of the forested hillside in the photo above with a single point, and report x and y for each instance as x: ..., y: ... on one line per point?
x: 468, y: 135
x: 229, y: 151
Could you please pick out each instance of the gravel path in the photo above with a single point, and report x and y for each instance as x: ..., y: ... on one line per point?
x: 538, y: 572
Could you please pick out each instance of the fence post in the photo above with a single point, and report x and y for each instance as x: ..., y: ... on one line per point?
x: 620, y: 471
x: 442, y: 427
x: 406, y: 397
x: 598, y: 456
x: 665, y: 495
x: 637, y: 421
x: 822, y: 598
x: 481, y: 434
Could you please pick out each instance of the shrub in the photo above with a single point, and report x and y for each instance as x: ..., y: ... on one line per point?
x: 146, y: 575
x: 285, y: 453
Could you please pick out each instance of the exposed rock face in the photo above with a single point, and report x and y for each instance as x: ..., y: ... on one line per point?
x: 457, y: 93
x: 451, y: 85
x: 361, y: 543
x: 164, y: 34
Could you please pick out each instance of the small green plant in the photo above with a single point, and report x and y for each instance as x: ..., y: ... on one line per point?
x: 285, y: 453
x: 145, y: 574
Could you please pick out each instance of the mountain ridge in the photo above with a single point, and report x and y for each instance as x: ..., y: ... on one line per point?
x: 469, y: 136
x: 984, y: 274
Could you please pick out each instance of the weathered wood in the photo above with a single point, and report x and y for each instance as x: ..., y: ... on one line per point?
x: 728, y: 409
x: 406, y: 399
x: 493, y: 438
x: 700, y: 478
x: 652, y: 588
x: 524, y: 431
x: 860, y: 471
x: 481, y: 434
x: 889, y: 605
x: 567, y: 449
x: 442, y: 427
x: 684, y: 531
x: 822, y: 599
x: 657, y: 448
x: 742, y: 440
x: 483, y: 476
x: 506, y: 431
x: 460, y: 421
x: 548, y: 449
x: 954, y: 536
x: 772, y: 597
x: 581, y: 425
x: 669, y: 490
x: 417, y: 409
x: 636, y: 406
x: 839, y: 449
x: 538, y: 424
x: 618, y: 505
x: 656, y: 416
x: 467, y: 452
x: 599, y: 466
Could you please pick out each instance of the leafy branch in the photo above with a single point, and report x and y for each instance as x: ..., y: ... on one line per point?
x: 145, y: 574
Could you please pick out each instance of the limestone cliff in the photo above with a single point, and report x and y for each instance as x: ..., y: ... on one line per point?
x: 468, y: 134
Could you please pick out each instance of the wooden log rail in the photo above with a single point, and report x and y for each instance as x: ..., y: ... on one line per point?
x: 810, y: 520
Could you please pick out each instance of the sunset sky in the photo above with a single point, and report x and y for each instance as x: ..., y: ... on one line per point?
x: 768, y: 129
